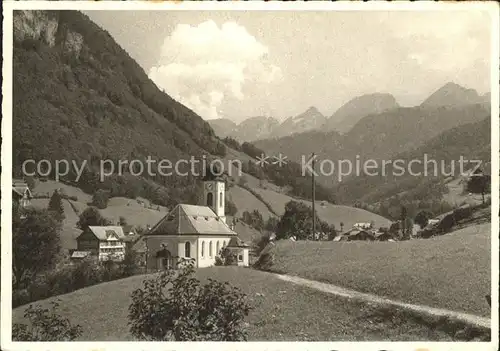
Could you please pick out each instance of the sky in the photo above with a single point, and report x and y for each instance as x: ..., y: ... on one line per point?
x: 239, y: 64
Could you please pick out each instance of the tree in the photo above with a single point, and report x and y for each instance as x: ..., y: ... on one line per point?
x: 100, y: 199
x: 422, y: 218
x: 296, y: 221
x: 271, y: 224
x: 253, y: 219
x: 243, y: 181
x: 479, y: 184
x: 91, y: 217
x: 45, y: 325
x: 56, y: 206
x: 35, y: 244
x: 187, y: 310
x: 122, y: 221
x: 129, y: 264
x: 30, y: 182
x: 230, y: 208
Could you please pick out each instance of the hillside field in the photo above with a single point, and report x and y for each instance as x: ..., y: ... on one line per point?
x: 332, y: 214
x: 452, y: 271
x: 137, y: 214
x: 282, y: 311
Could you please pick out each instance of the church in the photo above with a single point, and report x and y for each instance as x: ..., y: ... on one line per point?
x: 195, y: 232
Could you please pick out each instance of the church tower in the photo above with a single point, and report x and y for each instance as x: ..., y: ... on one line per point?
x: 214, y: 195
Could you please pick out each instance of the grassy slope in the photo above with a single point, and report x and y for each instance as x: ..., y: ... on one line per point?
x: 138, y: 215
x: 333, y: 214
x: 456, y: 197
x: 135, y: 214
x: 246, y: 201
x: 451, y: 271
x: 69, y: 232
x: 284, y: 312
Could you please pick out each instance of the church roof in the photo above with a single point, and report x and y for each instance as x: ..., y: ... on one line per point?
x: 191, y: 220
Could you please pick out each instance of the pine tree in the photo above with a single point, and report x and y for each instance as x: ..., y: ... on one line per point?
x: 56, y: 206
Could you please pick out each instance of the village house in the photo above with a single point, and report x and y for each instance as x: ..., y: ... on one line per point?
x: 193, y: 232
x: 360, y: 235
x: 21, y: 193
x: 104, y: 243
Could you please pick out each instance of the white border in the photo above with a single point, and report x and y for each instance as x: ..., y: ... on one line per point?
x: 6, y: 200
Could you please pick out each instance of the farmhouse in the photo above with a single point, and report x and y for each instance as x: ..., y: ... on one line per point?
x: 106, y: 242
x: 21, y: 193
x: 194, y: 232
x: 360, y: 235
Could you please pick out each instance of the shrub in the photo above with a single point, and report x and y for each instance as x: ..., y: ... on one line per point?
x: 462, y: 213
x: 177, y: 307
x: 422, y: 218
x: 86, y: 273
x: 446, y: 224
x: 45, y: 325
x: 100, y: 199
x: 228, y: 258
x: 219, y: 261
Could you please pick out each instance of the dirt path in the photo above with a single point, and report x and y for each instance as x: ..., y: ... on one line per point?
x: 336, y: 290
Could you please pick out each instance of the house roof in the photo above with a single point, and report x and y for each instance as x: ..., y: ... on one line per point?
x: 190, y: 219
x: 128, y: 229
x: 357, y: 232
x: 20, y: 188
x: 103, y: 232
x: 80, y: 254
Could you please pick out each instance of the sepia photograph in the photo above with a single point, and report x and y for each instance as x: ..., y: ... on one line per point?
x: 250, y: 172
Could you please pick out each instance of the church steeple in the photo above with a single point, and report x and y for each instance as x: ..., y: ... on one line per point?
x: 214, y: 192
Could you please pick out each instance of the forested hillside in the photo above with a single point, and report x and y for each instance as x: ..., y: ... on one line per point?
x: 79, y: 96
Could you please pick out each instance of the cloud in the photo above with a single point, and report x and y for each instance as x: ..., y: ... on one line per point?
x: 202, y: 66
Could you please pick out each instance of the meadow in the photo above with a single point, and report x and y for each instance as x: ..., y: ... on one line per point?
x: 282, y: 311
x: 452, y: 271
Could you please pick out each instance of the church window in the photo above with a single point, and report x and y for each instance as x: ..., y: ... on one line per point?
x: 218, y: 247
x: 221, y: 200
x: 210, y: 199
x: 187, y: 249
x: 210, y: 249
x: 202, y: 249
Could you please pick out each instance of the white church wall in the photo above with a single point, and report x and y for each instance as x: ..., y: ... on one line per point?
x: 205, y: 257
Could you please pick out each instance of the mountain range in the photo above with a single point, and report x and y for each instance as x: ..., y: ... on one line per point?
x: 345, y: 118
x: 77, y: 95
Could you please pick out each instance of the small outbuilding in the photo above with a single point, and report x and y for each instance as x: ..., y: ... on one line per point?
x: 240, y: 250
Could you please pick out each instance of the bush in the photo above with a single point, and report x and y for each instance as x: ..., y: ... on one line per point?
x: 177, y: 307
x: 100, y: 199
x: 86, y: 273
x: 446, y: 224
x: 462, y: 213
x: 45, y: 325
x: 219, y: 261
x: 228, y: 258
